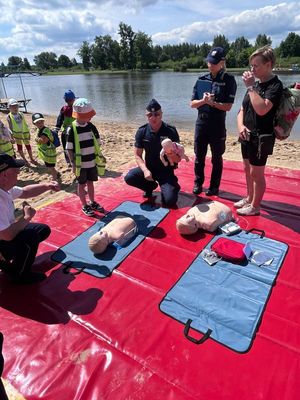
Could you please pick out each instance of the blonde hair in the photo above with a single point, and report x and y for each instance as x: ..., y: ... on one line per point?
x: 266, y: 53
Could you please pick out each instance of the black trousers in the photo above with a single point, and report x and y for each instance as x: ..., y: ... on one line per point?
x: 167, y: 181
x: 21, y: 251
x: 64, y: 142
x: 215, y: 138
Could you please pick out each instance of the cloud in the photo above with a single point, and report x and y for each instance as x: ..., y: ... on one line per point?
x: 272, y: 20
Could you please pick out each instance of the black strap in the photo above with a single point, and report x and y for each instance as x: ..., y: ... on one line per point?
x: 262, y: 233
x: 199, y: 341
x: 67, y: 268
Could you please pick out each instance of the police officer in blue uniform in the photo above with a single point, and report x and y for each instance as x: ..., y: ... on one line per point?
x: 150, y: 171
x: 213, y: 95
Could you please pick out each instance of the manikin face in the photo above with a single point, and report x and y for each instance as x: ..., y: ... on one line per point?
x: 188, y: 223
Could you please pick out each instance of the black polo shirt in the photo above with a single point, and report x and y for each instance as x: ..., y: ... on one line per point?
x: 150, y: 141
x: 223, y: 86
x: 271, y: 90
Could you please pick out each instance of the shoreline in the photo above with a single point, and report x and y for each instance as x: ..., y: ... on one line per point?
x: 118, y: 139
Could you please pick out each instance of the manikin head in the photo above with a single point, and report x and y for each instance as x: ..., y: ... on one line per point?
x: 167, y: 145
x: 187, y: 225
x: 99, y: 242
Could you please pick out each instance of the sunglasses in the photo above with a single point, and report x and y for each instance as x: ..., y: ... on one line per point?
x: 154, y: 114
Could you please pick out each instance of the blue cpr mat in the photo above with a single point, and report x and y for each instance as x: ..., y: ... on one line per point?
x: 77, y: 254
x: 226, y: 301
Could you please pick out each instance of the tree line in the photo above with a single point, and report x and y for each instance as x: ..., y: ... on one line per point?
x: 135, y: 51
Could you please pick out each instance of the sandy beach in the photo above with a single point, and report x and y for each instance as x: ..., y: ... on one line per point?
x: 118, y: 142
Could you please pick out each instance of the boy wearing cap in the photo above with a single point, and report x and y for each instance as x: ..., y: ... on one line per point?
x: 213, y: 96
x: 45, y: 145
x: 19, y: 239
x: 84, y: 151
x: 65, y: 119
x: 151, y: 171
x: 20, y: 131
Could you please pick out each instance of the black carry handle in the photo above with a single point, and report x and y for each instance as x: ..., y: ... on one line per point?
x: 262, y: 233
x: 186, y: 333
x: 67, y: 268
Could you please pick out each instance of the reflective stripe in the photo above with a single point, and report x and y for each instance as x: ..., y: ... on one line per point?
x: 7, y: 147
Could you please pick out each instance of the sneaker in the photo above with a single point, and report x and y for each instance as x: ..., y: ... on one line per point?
x: 197, y: 189
x: 87, y: 210
x: 29, y: 277
x: 241, y: 203
x: 96, y: 207
x: 249, y: 210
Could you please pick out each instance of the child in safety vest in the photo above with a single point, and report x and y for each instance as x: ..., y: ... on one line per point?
x: 20, y: 131
x: 6, y: 141
x: 83, y: 146
x: 45, y: 145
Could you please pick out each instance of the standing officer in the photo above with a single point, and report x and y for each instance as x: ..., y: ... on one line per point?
x: 151, y: 171
x: 213, y: 95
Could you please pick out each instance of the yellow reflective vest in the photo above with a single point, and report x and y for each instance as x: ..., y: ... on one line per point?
x: 20, y: 134
x: 99, y: 158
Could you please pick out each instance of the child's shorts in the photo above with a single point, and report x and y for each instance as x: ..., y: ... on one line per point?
x: 49, y: 165
x: 87, y: 174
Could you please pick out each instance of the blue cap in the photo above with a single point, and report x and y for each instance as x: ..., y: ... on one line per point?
x: 69, y: 95
x: 216, y: 55
x: 153, y: 106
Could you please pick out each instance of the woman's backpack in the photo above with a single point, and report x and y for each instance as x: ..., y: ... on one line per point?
x: 287, y: 112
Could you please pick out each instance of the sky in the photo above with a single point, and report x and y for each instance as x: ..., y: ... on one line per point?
x: 29, y: 27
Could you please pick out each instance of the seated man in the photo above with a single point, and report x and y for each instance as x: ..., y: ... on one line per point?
x: 19, y: 239
x: 119, y: 229
x: 151, y: 172
x: 207, y: 216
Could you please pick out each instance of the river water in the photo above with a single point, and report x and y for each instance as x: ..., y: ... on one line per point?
x: 122, y: 97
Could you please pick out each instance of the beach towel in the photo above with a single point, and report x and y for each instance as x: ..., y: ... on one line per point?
x: 76, y: 254
x: 225, y: 301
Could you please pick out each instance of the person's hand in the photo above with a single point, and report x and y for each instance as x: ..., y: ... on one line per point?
x: 28, y: 211
x: 148, y: 175
x: 55, y: 186
x: 244, y: 133
x: 206, y: 97
x: 248, y: 78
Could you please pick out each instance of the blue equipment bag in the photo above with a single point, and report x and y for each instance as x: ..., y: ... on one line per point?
x: 226, y: 301
x: 56, y: 140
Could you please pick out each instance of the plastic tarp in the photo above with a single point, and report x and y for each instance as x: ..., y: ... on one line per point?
x: 84, y: 338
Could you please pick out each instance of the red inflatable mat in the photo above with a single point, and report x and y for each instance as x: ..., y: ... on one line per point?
x: 81, y: 338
